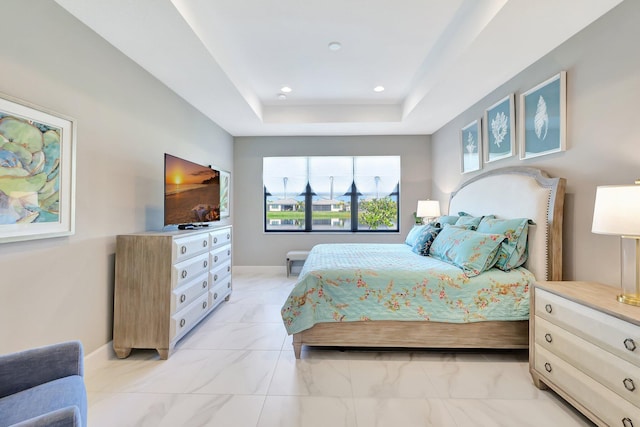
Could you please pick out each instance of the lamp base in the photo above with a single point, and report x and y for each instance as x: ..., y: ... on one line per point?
x: 629, y: 299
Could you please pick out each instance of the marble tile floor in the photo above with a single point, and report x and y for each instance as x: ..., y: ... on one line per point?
x: 237, y: 369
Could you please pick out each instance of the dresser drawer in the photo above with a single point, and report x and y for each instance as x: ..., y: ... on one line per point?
x: 218, y: 274
x: 186, y: 247
x: 185, y: 271
x: 612, y: 334
x: 186, y: 294
x: 604, y: 403
x: 218, y: 293
x: 220, y: 237
x: 616, y: 374
x: 219, y: 256
x: 184, y: 320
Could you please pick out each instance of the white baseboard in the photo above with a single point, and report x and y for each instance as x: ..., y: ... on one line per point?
x: 253, y: 269
x: 105, y: 352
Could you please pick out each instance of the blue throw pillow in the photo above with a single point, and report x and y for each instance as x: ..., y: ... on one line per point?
x: 470, y: 250
x: 413, y: 234
x: 425, y: 239
x: 445, y: 219
x: 513, y: 251
x: 469, y: 221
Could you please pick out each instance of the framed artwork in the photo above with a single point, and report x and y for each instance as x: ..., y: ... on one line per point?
x: 543, y: 116
x: 471, y: 147
x: 37, y: 172
x: 499, y: 130
x: 225, y: 180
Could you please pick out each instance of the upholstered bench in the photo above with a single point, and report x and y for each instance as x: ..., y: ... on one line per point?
x: 295, y: 257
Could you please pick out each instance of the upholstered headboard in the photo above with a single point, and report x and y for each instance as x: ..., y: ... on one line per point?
x: 521, y: 193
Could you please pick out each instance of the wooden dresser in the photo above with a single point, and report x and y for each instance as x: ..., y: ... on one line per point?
x: 165, y: 283
x: 585, y: 345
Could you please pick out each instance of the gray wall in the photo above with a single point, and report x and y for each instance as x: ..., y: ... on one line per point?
x: 603, y: 85
x: 58, y: 289
x: 253, y: 247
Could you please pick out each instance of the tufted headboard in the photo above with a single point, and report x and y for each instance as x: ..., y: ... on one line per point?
x: 521, y: 193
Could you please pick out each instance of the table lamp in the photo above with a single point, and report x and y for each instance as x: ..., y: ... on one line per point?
x: 617, y: 212
x: 428, y: 209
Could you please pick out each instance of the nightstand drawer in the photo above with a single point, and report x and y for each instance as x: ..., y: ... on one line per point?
x: 612, y: 334
x: 616, y: 374
x: 604, y: 403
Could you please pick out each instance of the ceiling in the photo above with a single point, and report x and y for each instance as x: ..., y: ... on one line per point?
x: 435, y: 58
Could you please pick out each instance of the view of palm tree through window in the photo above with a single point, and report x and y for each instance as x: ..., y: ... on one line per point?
x: 331, y: 193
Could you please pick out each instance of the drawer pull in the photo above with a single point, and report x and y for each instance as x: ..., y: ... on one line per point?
x: 183, y: 298
x: 182, y: 322
x: 628, y: 384
x: 204, y: 305
x: 630, y: 344
x: 204, y: 284
x: 215, y: 258
x: 215, y: 277
x: 548, y: 337
x: 547, y: 367
x: 205, y: 263
x: 548, y: 308
x: 183, y: 274
x: 215, y: 296
x: 228, y: 268
x: 228, y: 284
x: 228, y: 236
x: 183, y: 249
x: 626, y: 422
x: 204, y: 243
x: 229, y: 252
x: 215, y: 240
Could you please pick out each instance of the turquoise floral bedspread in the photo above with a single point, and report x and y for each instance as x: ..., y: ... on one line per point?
x: 360, y: 282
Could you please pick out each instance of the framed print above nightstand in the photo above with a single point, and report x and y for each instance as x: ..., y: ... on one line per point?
x: 471, y: 147
x: 543, y: 116
x: 499, y: 130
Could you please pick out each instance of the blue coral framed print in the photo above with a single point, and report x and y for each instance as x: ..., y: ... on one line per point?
x: 499, y: 130
x: 543, y: 116
x: 37, y: 167
x: 471, y: 147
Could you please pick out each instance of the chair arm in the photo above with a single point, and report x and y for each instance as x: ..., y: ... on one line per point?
x: 65, y: 417
x: 25, y: 369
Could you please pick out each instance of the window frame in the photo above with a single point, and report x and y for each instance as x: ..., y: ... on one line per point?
x: 354, y: 194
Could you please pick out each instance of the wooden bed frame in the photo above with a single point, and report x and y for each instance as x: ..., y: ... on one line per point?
x: 506, y: 193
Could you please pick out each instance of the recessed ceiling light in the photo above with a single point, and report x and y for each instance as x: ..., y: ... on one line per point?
x: 378, y: 89
x: 282, y: 96
x: 286, y: 89
x: 335, y: 46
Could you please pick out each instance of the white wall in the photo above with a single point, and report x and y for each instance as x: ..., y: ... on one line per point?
x: 254, y: 247
x: 603, y: 84
x: 58, y: 289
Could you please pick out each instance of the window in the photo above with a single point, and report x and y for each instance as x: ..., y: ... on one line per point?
x: 338, y: 193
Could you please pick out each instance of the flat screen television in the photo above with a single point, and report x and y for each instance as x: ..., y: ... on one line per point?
x: 191, y: 193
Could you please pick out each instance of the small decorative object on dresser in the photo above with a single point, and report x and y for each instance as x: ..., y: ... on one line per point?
x: 166, y: 282
x: 585, y: 346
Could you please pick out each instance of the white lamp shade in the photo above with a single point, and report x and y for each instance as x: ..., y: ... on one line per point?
x: 617, y: 210
x: 428, y: 208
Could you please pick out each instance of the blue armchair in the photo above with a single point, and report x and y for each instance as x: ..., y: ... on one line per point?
x: 44, y: 387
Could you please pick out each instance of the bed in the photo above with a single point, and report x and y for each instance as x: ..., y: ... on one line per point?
x: 384, y: 295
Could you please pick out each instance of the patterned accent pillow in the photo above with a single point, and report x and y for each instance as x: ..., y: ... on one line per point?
x: 413, y: 234
x: 513, y: 251
x: 470, y: 250
x: 445, y: 219
x: 469, y: 221
x: 425, y: 239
